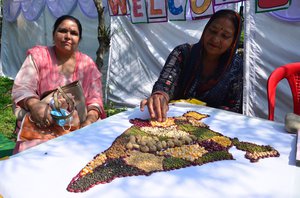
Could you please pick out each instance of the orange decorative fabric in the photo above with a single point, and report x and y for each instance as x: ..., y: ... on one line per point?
x: 29, y: 131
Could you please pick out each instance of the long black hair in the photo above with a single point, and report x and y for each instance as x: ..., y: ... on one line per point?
x: 67, y: 17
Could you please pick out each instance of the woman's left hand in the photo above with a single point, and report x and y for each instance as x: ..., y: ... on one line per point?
x: 91, y: 117
x: 85, y: 123
x: 40, y: 114
x: 63, y: 102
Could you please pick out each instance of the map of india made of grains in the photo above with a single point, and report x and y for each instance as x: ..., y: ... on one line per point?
x: 149, y: 146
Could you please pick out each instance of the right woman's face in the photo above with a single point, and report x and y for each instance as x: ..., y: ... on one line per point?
x: 218, y: 37
x: 66, y: 36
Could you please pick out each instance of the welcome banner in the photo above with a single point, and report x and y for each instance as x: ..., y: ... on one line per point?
x: 153, y: 11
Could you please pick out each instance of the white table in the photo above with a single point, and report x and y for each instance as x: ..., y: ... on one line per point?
x: 47, y: 169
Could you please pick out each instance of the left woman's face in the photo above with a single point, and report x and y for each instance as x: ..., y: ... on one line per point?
x: 66, y: 36
x: 218, y: 36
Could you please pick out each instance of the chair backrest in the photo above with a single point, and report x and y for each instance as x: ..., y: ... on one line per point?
x: 291, y: 72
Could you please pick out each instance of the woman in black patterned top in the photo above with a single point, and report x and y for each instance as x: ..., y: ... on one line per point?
x: 209, y: 70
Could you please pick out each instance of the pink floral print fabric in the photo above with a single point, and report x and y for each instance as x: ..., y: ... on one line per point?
x: 39, y: 73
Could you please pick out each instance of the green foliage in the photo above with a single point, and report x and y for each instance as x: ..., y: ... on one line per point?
x: 242, y: 38
x: 105, y: 35
x: 240, y: 49
x: 7, y: 118
x: 110, y: 109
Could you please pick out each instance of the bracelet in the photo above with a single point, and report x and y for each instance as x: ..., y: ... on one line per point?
x: 95, y: 108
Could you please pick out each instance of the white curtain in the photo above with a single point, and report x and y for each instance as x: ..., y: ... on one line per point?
x: 20, y: 35
x: 138, y: 53
x: 33, y: 9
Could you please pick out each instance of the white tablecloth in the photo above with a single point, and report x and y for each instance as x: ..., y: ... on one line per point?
x: 47, y: 169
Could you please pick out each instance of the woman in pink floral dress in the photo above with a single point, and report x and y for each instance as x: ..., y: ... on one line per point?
x: 47, y: 67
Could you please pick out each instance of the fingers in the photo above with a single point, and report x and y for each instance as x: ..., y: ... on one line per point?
x: 149, y: 103
x: 39, y: 108
x: 157, y: 107
x: 161, y: 108
x: 84, y: 124
x: 164, y: 109
x: 65, y: 102
x: 76, y: 120
x: 47, y: 123
x: 151, y: 107
x: 62, y: 103
x: 143, y: 104
x: 40, y: 115
x: 42, y: 124
x: 70, y: 96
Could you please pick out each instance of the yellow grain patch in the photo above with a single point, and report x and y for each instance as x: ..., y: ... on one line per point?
x: 145, y: 161
x: 194, y: 114
x: 98, y: 161
x: 187, y: 152
x: 224, y: 141
x: 167, y: 123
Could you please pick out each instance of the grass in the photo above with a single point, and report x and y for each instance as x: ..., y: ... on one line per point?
x: 7, y: 118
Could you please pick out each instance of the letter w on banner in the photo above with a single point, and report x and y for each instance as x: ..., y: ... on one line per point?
x: 148, y: 11
x: 117, y: 7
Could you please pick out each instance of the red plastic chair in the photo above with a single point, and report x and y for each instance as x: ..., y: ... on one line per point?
x: 291, y: 72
